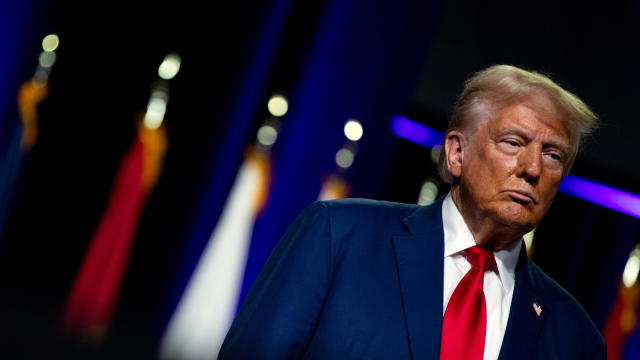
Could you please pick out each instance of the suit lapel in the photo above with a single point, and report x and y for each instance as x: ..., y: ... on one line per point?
x: 419, y: 258
x: 524, y: 324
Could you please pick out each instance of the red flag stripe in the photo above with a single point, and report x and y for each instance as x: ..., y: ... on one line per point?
x: 95, y: 290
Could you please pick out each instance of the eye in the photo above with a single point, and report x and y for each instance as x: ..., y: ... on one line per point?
x: 510, y: 145
x: 555, y: 157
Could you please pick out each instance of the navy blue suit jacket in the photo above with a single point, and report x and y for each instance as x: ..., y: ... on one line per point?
x: 363, y: 279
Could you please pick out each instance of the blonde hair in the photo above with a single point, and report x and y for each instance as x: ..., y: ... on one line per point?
x: 498, y: 86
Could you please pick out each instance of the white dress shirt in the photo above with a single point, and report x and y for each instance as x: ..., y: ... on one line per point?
x: 498, y: 283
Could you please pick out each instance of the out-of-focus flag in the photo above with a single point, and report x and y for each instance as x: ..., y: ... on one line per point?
x: 622, y: 322
x: 95, y: 290
x: 207, y: 307
x: 23, y: 137
x: 30, y: 94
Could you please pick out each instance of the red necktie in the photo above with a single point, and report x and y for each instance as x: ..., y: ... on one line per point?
x: 464, y: 326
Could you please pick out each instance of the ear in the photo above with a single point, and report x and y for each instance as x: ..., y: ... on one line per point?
x: 455, y: 144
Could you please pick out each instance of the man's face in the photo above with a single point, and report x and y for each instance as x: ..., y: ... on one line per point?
x: 512, y: 166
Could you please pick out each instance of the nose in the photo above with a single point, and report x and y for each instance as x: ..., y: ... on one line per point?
x: 530, y: 163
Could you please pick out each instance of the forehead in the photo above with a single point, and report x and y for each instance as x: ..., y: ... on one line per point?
x: 532, y: 118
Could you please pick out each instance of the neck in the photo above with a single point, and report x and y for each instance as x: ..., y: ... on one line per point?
x: 487, y: 233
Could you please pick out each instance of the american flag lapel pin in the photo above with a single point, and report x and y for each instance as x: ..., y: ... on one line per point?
x: 537, y: 308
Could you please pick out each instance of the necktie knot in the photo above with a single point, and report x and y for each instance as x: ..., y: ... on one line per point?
x: 478, y: 256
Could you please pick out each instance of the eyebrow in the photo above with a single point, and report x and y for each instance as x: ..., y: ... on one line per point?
x: 565, y: 148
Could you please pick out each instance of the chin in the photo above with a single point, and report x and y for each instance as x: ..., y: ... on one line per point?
x: 518, y: 217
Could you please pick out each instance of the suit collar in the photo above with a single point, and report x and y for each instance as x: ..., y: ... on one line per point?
x: 425, y: 219
x: 524, y: 324
x: 419, y: 259
x: 532, y: 276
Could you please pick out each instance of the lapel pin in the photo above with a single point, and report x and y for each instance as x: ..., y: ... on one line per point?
x: 537, y: 308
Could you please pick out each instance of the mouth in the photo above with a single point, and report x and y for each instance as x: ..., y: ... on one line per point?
x: 522, y: 197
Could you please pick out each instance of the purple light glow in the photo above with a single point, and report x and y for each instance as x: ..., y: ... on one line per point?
x: 584, y: 189
x: 603, y: 195
x: 417, y: 133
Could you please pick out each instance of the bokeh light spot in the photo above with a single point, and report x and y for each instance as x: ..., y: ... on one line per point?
x: 267, y: 135
x: 47, y: 59
x: 170, y: 66
x: 278, y: 105
x: 50, y: 42
x: 353, y: 130
x: 428, y: 193
x: 344, y: 158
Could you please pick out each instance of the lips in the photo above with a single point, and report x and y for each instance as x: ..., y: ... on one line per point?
x: 522, y: 196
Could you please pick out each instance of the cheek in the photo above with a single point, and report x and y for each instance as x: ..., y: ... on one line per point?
x: 504, y: 165
x: 548, y: 186
x: 497, y: 173
x: 487, y: 175
x: 547, y: 199
x: 496, y: 162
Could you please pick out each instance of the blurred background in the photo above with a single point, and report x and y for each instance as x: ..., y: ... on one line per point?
x: 151, y: 155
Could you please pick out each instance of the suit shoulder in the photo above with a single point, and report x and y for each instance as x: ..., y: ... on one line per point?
x: 368, y: 206
x: 377, y: 216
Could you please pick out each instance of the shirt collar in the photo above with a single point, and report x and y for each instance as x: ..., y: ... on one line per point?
x: 458, y: 237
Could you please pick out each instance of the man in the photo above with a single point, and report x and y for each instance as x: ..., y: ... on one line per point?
x: 377, y: 280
